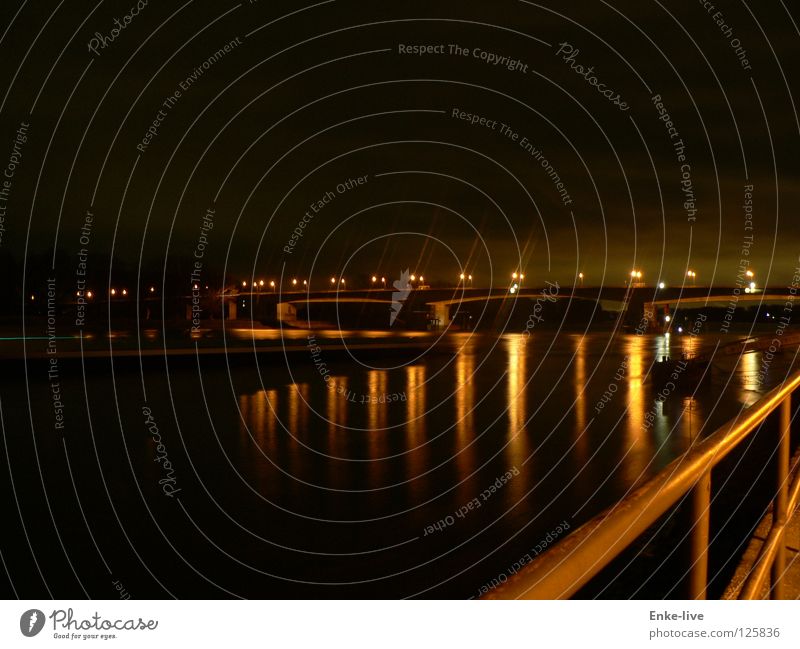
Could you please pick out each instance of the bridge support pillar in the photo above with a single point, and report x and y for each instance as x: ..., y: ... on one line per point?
x: 287, y: 312
x: 650, y: 316
x: 441, y: 312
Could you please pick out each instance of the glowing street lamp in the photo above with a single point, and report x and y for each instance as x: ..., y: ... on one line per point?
x: 89, y: 294
x: 514, y: 275
x: 580, y: 279
x: 333, y: 280
x: 667, y: 318
x: 636, y: 279
x: 342, y: 281
x: 113, y: 291
x: 374, y: 279
x: 662, y: 285
x: 469, y: 277
x: 749, y: 274
x: 294, y: 282
x: 244, y: 283
x: 272, y: 285
x: 383, y: 281
x: 413, y: 278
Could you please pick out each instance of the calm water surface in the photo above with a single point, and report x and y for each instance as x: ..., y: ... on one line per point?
x: 395, y: 477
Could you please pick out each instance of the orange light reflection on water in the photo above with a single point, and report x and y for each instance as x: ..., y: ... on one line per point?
x: 517, y: 450
x: 463, y: 450
x: 416, y: 450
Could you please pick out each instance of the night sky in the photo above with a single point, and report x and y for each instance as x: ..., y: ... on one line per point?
x: 306, y: 97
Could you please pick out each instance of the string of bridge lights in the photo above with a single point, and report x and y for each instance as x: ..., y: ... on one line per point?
x: 636, y: 280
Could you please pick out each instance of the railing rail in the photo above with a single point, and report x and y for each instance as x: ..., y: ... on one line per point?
x: 566, y: 567
x: 773, y: 550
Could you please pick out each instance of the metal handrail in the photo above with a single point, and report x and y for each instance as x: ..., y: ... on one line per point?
x: 774, y: 547
x: 563, y: 569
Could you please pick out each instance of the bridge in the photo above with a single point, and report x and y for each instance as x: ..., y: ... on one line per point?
x: 444, y: 305
x: 440, y: 304
x: 730, y: 300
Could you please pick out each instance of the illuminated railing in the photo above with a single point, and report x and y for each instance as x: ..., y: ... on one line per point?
x: 562, y: 570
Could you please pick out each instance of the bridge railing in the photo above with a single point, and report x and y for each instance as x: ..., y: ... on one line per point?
x: 566, y: 567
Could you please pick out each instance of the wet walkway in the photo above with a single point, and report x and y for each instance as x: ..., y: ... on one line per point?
x: 791, y: 574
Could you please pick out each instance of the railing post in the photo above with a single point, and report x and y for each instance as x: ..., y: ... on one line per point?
x: 781, y: 502
x: 701, y: 506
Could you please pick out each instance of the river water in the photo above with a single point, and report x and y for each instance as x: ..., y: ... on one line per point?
x: 393, y: 477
